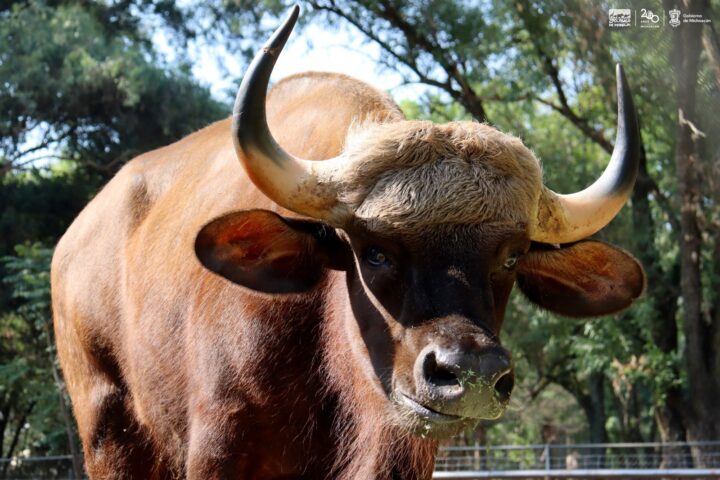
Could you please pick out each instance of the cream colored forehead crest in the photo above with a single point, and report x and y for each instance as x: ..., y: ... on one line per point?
x: 418, y: 173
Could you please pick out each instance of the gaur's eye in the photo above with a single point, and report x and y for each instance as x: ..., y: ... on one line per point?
x: 376, y: 258
x: 511, y: 261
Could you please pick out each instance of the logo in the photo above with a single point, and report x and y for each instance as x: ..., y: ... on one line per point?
x: 649, y: 19
x: 694, y: 18
x: 649, y: 15
x: 674, y: 17
x: 620, y: 17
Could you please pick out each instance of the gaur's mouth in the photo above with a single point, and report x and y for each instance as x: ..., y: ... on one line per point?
x: 426, y: 413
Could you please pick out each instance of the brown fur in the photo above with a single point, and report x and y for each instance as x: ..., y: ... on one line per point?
x: 413, y: 174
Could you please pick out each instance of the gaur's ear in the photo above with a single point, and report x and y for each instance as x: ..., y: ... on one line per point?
x: 269, y: 253
x: 586, y: 279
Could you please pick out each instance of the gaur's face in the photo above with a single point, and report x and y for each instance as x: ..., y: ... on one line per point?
x: 429, y: 306
x: 422, y: 308
x: 432, y: 225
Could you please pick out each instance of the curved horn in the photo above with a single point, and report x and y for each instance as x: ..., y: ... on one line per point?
x: 568, y: 218
x: 291, y: 182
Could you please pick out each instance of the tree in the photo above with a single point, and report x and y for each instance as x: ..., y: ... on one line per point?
x: 89, y: 89
x: 702, y: 329
x: 30, y: 362
x: 80, y: 96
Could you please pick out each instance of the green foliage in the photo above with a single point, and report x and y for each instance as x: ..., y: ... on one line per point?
x: 82, y: 91
x: 77, y: 90
x: 39, y: 205
x: 28, y: 274
x: 434, y: 108
x: 28, y: 394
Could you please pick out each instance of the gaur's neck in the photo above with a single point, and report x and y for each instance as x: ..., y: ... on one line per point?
x: 370, y: 445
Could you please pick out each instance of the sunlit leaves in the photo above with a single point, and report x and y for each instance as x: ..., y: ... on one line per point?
x: 75, y: 90
x: 27, y: 391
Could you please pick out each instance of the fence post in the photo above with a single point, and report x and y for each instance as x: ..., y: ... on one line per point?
x: 546, y: 453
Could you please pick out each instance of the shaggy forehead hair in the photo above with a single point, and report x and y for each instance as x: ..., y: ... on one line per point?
x: 412, y: 174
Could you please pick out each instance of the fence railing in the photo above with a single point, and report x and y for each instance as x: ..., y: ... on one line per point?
x: 58, y: 467
x: 618, y: 460
x: 611, y: 460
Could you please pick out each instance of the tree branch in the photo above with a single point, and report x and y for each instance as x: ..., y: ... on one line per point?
x: 466, y: 96
x: 711, y: 42
x: 554, y: 74
x: 16, y: 434
x: 538, y: 388
x: 409, y: 60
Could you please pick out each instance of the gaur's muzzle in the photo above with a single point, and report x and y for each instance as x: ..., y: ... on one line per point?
x: 472, y: 378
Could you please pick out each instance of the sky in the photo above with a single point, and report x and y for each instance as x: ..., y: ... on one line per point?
x: 310, y: 49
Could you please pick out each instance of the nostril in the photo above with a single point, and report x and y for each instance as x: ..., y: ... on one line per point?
x: 437, y: 374
x: 504, y: 385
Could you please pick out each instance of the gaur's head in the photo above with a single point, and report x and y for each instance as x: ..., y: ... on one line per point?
x: 433, y: 225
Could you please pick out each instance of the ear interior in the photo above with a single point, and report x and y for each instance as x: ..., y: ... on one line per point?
x: 586, y: 279
x: 266, y: 252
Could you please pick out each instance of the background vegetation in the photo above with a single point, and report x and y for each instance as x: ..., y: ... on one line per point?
x: 83, y: 89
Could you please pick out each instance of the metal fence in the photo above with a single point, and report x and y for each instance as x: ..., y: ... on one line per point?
x: 37, y: 468
x: 612, y: 460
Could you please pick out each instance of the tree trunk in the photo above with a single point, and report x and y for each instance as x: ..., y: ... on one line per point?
x: 64, y: 410
x: 715, y: 276
x: 663, y: 294
x: 671, y: 423
x: 16, y: 436
x: 702, y: 419
x: 594, y: 407
x: 479, y: 441
x: 711, y: 43
x: 598, y: 433
x: 4, y: 415
x: 69, y: 431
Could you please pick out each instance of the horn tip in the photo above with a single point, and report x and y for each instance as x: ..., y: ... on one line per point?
x: 622, y: 83
x: 277, y: 41
x: 294, y: 12
x: 293, y: 15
